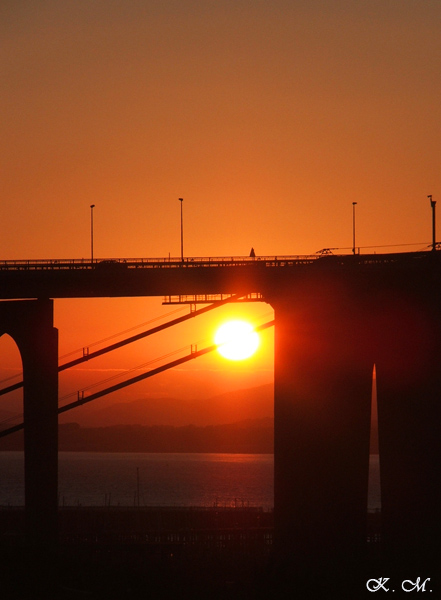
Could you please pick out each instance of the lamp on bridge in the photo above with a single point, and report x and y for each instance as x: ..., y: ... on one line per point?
x: 353, y: 227
x: 181, y: 200
x: 433, y: 205
x: 92, y: 206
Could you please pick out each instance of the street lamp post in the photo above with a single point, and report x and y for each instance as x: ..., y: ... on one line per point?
x: 181, y: 200
x: 433, y: 205
x: 353, y: 227
x: 92, y: 206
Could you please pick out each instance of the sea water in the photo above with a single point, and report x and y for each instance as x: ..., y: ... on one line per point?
x: 123, y: 479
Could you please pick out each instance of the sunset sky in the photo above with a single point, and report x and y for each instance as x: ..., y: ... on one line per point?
x: 268, y: 117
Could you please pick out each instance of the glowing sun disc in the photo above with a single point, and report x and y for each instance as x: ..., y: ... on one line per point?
x: 236, y: 340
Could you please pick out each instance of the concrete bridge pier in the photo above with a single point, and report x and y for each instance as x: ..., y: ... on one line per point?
x: 409, y: 413
x: 323, y: 384
x: 30, y: 324
x: 329, y: 331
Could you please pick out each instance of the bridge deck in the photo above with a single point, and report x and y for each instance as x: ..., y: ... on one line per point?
x: 223, y: 261
x: 122, y: 277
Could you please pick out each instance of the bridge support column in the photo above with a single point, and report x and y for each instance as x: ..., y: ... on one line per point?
x: 409, y: 414
x: 30, y: 324
x: 329, y: 331
x: 323, y: 384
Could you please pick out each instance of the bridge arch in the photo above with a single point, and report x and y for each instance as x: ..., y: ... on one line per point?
x: 12, y: 364
x: 11, y: 409
x: 30, y: 324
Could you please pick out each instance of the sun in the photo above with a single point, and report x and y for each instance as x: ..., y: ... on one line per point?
x: 236, y: 340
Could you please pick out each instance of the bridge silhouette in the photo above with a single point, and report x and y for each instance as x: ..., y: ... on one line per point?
x: 335, y: 317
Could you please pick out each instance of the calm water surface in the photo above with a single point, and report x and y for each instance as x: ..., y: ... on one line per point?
x: 94, y: 479
x: 97, y: 479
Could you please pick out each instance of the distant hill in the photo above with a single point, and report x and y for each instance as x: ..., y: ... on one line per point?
x: 231, y: 407
x: 246, y: 437
x: 240, y: 421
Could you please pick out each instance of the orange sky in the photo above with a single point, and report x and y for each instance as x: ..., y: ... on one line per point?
x: 94, y: 323
x: 268, y: 118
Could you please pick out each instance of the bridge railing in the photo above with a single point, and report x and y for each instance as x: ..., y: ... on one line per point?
x: 166, y: 262
x: 223, y: 261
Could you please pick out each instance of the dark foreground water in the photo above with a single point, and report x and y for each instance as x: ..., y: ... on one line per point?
x: 97, y: 479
